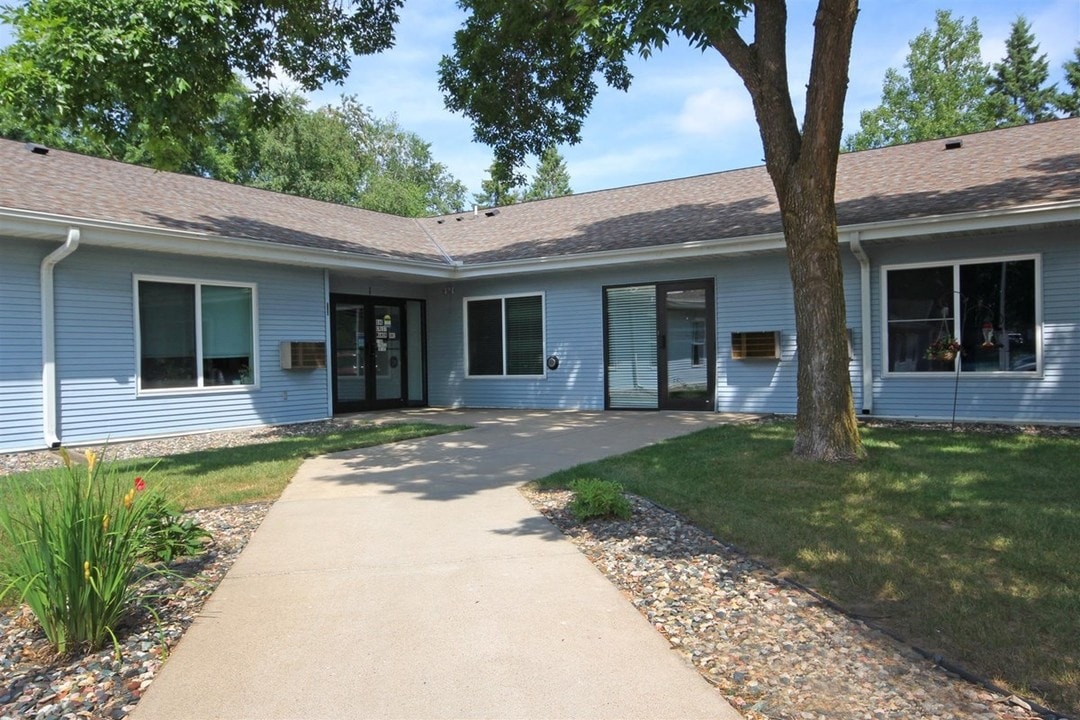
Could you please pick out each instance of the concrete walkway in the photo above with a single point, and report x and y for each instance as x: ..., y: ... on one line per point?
x: 414, y: 581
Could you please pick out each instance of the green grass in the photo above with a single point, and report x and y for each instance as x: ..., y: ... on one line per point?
x: 250, y: 473
x: 967, y: 544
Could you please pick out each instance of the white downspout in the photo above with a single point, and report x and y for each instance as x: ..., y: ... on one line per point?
x: 49, y: 400
x: 867, y: 325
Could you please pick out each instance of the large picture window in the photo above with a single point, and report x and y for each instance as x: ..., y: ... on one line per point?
x: 981, y: 315
x: 505, y: 335
x: 194, y: 335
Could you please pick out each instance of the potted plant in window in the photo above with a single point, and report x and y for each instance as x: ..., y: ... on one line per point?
x: 944, y: 348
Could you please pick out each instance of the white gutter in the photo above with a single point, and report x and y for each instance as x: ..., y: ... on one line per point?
x: 155, y: 239
x: 49, y: 399
x: 855, y: 242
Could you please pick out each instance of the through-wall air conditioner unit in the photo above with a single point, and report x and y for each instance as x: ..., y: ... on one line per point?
x: 753, y: 345
x: 303, y: 355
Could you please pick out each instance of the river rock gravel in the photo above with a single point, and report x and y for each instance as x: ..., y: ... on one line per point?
x: 34, y: 683
x: 774, y: 650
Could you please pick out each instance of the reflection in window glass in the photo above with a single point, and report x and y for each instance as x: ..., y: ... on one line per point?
x: 505, y: 336
x: 169, y: 325
x: 981, y: 315
x: 167, y: 334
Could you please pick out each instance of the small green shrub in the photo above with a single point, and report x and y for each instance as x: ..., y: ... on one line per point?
x: 167, y: 535
x: 73, y: 544
x: 595, y: 498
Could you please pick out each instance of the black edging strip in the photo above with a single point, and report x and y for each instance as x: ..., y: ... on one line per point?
x: 938, y: 660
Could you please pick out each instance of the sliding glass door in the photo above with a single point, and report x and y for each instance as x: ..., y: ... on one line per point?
x: 660, y: 346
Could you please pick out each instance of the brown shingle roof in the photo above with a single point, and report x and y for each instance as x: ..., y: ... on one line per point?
x: 1013, y: 167
x: 1020, y: 166
x: 85, y: 187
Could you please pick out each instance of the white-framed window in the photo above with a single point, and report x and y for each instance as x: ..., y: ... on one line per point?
x: 697, y: 342
x: 984, y: 314
x: 504, y: 336
x: 192, y: 334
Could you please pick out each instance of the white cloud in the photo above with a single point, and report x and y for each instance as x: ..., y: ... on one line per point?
x: 711, y: 112
x: 621, y: 166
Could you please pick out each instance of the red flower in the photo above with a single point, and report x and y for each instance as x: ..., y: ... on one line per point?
x: 140, y: 485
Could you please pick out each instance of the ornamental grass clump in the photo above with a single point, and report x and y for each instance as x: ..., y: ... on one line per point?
x: 74, y: 543
x: 595, y: 498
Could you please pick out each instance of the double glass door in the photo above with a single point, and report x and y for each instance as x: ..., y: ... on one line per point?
x: 369, y: 349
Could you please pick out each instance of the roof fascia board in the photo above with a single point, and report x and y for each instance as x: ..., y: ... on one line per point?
x: 700, y: 248
x: 126, y: 235
x: 1051, y: 213
x: 186, y: 242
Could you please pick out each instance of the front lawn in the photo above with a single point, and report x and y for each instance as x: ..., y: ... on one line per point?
x: 245, y: 474
x: 965, y: 543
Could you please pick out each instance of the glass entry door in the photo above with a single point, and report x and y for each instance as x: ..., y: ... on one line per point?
x: 350, y: 356
x: 685, y: 340
x: 660, y: 346
x: 389, y: 362
x: 373, y: 347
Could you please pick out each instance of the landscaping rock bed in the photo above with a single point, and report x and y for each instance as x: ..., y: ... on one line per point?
x: 34, y: 683
x: 774, y: 650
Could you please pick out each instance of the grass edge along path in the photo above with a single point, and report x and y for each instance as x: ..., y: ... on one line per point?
x: 242, y: 474
x: 964, y: 543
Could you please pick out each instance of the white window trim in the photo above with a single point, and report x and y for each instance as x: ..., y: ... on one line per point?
x: 543, y: 334
x: 199, y: 388
x: 955, y: 264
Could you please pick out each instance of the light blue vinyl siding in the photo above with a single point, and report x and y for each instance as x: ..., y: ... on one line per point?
x: 574, y: 332
x: 751, y: 294
x: 20, y: 343
x: 1053, y: 395
x: 360, y: 285
x: 96, y: 354
x: 754, y: 294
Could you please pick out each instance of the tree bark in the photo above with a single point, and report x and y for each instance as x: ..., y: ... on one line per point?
x: 802, y: 165
x: 825, y: 427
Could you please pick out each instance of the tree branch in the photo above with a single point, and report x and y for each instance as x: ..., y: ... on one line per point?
x: 762, y: 66
x: 834, y: 25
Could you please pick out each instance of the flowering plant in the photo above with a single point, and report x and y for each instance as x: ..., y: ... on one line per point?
x: 70, y: 541
x: 944, y: 348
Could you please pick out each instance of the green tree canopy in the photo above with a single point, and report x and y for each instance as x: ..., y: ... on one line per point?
x: 155, y: 68
x: 343, y: 154
x: 944, y: 90
x: 1018, y: 86
x: 525, y: 74
x: 405, y: 179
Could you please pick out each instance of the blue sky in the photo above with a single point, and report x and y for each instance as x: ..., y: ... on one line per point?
x: 686, y: 112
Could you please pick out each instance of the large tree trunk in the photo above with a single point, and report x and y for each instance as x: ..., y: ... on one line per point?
x: 825, y: 427
x: 802, y: 165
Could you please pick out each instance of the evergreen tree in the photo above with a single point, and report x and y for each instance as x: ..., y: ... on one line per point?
x: 498, y: 189
x: 1017, y: 86
x: 552, y: 179
x: 943, y: 93
x: 1069, y: 102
